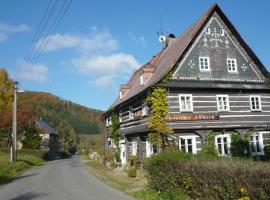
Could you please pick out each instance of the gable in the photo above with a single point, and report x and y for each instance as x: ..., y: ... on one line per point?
x: 218, y: 47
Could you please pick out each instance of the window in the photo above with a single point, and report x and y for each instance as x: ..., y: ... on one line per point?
x: 221, y: 32
x: 187, y: 144
x: 134, y: 147
x: 130, y: 113
x: 120, y: 116
x: 208, y: 30
x: 256, y: 144
x: 255, y: 103
x: 232, y: 65
x: 145, y: 109
x: 141, y: 80
x: 185, y: 101
x: 223, y: 103
x: 223, y: 143
x: 109, y: 121
x: 204, y: 63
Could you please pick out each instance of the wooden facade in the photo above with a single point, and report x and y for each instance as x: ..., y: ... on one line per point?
x: 218, y: 84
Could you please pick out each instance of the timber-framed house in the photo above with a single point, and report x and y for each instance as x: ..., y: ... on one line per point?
x: 217, y: 84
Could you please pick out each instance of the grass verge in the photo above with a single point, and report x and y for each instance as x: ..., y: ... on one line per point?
x: 135, y: 187
x: 25, y: 160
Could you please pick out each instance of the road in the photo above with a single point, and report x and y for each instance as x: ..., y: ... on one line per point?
x: 60, y: 180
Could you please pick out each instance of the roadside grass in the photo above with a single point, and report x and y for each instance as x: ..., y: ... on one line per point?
x: 25, y: 160
x: 135, y: 187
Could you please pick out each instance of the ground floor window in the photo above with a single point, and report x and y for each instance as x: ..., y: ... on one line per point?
x: 223, y: 143
x: 187, y: 144
x: 256, y: 144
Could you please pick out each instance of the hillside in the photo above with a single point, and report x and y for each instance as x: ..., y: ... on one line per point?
x: 67, y: 118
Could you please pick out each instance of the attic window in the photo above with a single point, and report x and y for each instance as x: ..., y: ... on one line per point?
x: 232, y: 65
x: 221, y: 31
x: 141, y: 80
x: 208, y: 30
x: 204, y: 63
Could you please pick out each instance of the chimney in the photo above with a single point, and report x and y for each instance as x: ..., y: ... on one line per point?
x: 123, y: 90
x: 169, y: 39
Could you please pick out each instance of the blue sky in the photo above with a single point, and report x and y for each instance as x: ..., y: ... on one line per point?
x: 99, y: 44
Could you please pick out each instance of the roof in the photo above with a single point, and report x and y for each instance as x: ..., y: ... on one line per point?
x: 169, y: 56
x: 43, y: 125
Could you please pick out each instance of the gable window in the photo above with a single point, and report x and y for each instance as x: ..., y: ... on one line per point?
x: 185, y: 103
x: 208, y: 30
x: 222, y: 32
x: 223, y: 143
x: 141, y: 80
x: 255, y: 103
x: 232, y: 65
x: 204, y: 63
x: 223, y: 103
x: 187, y: 144
x: 256, y: 144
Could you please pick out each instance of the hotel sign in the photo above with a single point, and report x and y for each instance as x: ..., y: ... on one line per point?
x: 191, y: 117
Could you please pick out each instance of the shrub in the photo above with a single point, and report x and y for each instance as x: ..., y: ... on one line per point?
x: 64, y: 154
x: 239, y: 147
x: 267, y: 152
x: 132, y: 172
x: 208, y: 179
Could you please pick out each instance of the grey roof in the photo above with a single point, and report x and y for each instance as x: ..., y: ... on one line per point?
x: 43, y: 125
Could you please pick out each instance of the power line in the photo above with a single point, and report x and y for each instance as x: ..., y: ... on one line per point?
x: 42, y: 43
x: 37, y: 34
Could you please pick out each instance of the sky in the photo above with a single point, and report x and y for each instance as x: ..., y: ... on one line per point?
x: 99, y: 44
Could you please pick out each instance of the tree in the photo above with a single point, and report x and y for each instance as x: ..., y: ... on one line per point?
x: 31, y: 138
x: 6, y: 91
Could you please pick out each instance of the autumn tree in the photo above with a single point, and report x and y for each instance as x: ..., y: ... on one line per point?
x: 6, y: 91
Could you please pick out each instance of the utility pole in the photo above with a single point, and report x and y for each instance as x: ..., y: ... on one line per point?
x: 13, y: 151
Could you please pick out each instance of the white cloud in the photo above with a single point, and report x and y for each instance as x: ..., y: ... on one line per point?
x: 105, y: 82
x: 34, y: 72
x: 139, y: 40
x: 106, y: 64
x: 99, y: 56
x: 7, y: 29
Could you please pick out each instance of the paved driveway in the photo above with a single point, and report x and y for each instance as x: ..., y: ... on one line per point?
x: 60, y: 180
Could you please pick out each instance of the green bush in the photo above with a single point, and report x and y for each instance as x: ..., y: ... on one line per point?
x: 64, y: 154
x: 208, y: 178
x: 239, y: 147
x: 132, y: 172
x: 267, y: 152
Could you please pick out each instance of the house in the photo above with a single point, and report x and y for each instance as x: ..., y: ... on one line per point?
x: 217, y: 84
x: 50, y: 139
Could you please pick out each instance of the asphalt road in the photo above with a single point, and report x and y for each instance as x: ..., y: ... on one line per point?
x: 60, y: 180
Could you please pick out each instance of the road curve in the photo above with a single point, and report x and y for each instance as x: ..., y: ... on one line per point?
x: 60, y: 180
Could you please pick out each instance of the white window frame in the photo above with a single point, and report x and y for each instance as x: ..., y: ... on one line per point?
x: 222, y: 103
x: 222, y: 32
x: 130, y: 113
x: 191, y: 103
x: 222, y: 136
x: 193, y: 142
x: 230, y: 62
x: 259, y: 102
x: 109, y: 121
x: 120, y: 116
x: 141, y: 80
x: 144, y: 109
x: 202, y: 64
x: 253, y: 142
x: 208, y: 30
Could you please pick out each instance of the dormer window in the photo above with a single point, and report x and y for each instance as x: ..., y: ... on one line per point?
x: 204, y: 63
x: 208, y: 30
x: 141, y: 80
x: 222, y: 32
x: 232, y: 65
x: 120, y: 94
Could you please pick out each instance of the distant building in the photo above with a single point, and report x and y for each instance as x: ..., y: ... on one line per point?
x: 50, y: 139
x: 218, y: 84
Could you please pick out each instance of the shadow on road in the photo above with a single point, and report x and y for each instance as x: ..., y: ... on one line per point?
x: 28, y: 196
